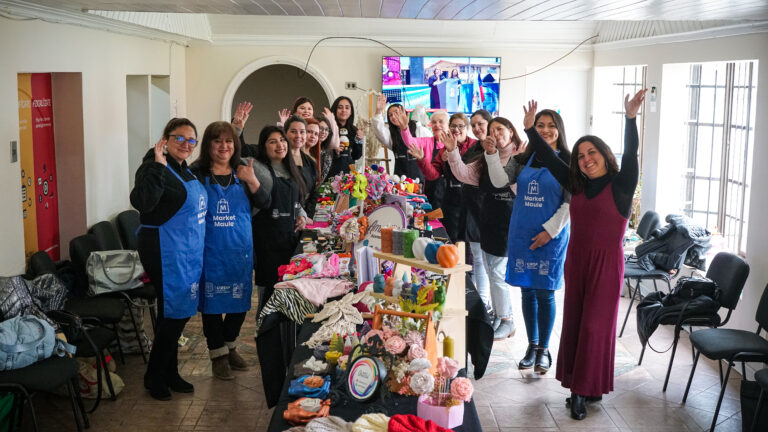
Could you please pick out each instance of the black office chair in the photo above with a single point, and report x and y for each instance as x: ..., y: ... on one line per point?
x: 731, y: 345
x: 44, y: 376
x: 761, y: 377
x: 649, y: 223
x: 127, y: 224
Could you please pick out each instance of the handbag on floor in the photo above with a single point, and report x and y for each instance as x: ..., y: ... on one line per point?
x: 111, y: 271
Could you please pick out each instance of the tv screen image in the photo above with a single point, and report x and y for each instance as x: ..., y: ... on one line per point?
x: 453, y: 84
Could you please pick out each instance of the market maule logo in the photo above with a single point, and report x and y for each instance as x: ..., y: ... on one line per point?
x: 39, y: 103
x: 25, y: 103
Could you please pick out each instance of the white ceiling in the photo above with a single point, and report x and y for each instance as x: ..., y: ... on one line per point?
x: 516, y: 10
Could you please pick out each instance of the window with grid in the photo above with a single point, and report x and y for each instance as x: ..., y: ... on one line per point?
x: 611, y: 85
x: 717, y: 154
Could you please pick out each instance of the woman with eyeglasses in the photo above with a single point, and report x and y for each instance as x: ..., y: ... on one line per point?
x: 389, y: 136
x: 425, y: 149
x: 227, y: 281
x: 350, y: 138
x: 172, y: 205
x: 601, y: 203
x: 496, y: 210
x: 296, y: 132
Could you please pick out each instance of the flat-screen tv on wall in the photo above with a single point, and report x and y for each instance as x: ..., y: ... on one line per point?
x: 453, y: 84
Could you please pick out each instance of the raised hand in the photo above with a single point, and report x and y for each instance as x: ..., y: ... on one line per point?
x: 159, y: 155
x: 241, y: 115
x: 246, y: 175
x: 448, y: 140
x: 632, y: 106
x: 519, y: 149
x: 489, y: 145
x: 530, y: 114
x: 283, y: 115
x: 381, y: 103
x: 540, y: 240
x: 329, y: 115
x: 416, y: 151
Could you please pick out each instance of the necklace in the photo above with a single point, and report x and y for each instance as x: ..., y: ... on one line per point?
x: 229, y: 180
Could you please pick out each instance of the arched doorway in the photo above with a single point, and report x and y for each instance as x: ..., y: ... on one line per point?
x: 272, y: 84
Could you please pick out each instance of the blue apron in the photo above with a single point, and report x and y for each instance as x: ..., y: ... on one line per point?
x: 538, y: 197
x: 182, y: 239
x: 228, y: 268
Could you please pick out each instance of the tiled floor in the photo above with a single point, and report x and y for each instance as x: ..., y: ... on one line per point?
x: 507, y: 399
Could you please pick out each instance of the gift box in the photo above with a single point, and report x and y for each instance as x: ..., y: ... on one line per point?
x: 447, y: 417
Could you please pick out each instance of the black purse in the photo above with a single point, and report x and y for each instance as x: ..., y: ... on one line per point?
x: 688, y: 288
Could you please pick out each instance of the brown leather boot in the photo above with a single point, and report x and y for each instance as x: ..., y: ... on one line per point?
x: 236, y: 361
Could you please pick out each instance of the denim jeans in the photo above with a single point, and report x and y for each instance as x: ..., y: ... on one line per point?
x: 539, y: 315
x: 479, y: 274
x: 500, y: 295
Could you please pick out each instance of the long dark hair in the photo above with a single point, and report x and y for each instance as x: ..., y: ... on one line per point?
x: 350, y: 123
x: 562, y: 142
x: 327, y: 142
x: 288, y: 163
x: 578, y: 179
x: 301, y: 101
x: 213, y: 131
x: 482, y: 165
x: 398, y: 145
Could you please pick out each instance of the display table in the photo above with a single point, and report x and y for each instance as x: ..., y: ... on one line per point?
x: 396, y: 404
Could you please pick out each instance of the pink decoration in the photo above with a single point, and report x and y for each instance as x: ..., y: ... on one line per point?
x: 462, y: 389
x: 447, y: 367
x: 414, y: 337
x: 429, y: 409
x: 395, y: 345
x: 371, y: 333
x: 416, y: 351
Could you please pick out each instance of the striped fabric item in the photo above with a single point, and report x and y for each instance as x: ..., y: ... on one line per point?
x: 289, y: 302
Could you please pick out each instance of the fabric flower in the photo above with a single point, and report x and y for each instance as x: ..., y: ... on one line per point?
x: 462, y: 389
x: 422, y: 382
x: 414, y: 337
x: 388, y: 332
x: 419, y: 364
x: 395, y: 345
x: 416, y: 351
x: 447, y: 367
x: 405, y: 388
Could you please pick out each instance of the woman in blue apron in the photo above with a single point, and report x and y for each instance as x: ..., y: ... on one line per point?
x: 275, y: 236
x: 227, y: 281
x: 172, y: 206
x: 496, y: 210
x: 538, y: 239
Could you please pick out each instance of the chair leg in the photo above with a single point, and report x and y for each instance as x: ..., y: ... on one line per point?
x: 631, y: 302
x: 758, y: 408
x: 75, y: 407
x: 119, y: 346
x: 153, y: 314
x: 720, y: 399
x: 671, y: 357
x: 655, y: 288
x: 80, y: 404
x: 642, y: 353
x: 136, y: 331
x: 720, y: 366
x: 105, y: 369
x: 690, y: 378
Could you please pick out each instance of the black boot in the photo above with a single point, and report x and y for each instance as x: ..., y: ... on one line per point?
x: 529, y: 358
x: 543, y: 360
x: 157, y: 388
x: 172, y: 378
x: 578, y: 407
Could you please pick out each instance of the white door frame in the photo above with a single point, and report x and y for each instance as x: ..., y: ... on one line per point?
x: 244, y: 73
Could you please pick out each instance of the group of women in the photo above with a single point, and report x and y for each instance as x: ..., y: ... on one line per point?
x: 532, y: 215
x: 206, y: 226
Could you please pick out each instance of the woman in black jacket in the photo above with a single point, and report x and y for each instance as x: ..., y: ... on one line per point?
x: 172, y: 205
x: 350, y: 138
x: 296, y: 133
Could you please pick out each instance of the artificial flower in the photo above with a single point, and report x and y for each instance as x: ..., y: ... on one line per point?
x: 416, y: 351
x: 447, y: 367
x: 414, y: 337
x: 422, y: 382
x: 462, y: 389
x: 395, y: 345
x: 419, y: 364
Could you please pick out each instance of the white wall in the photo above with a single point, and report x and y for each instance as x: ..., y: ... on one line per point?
x: 104, y: 59
x: 656, y: 56
x: 216, y: 66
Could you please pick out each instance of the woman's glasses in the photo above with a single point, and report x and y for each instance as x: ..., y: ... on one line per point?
x: 458, y: 126
x: 181, y: 140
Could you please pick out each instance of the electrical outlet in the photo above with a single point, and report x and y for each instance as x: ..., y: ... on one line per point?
x: 351, y: 85
x: 14, y: 151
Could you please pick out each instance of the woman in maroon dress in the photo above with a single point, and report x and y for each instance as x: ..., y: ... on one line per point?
x: 594, y: 266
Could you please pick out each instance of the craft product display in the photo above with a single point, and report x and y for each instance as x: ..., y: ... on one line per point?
x: 386, y: 239
x: 398, y: 236
x: 299, y: 388
x: 409, y: 236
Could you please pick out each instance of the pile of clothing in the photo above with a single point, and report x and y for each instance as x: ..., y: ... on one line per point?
x: 681, y: 241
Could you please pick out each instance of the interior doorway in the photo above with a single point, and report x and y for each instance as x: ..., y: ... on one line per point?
x: 272, y: 88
